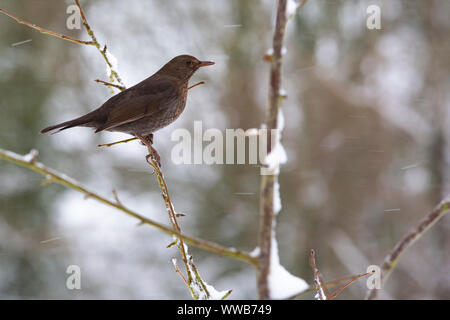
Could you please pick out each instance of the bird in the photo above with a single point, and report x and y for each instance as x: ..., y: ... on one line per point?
x: 146, y: 107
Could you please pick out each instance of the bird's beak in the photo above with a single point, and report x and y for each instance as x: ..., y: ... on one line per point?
x: 206, y: 63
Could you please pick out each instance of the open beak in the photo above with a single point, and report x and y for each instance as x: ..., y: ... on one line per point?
x: 206, y: 63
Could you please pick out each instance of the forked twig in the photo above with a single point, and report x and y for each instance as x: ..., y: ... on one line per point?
x: 321, y: 285
x: 109, y: 84
x: 334, y: 295
x: 322, y: 292
x: 407, y: 241
x: 52, y: 176
x: 113, y: 73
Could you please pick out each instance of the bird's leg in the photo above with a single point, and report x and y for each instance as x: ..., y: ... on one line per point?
x: 147, y: 141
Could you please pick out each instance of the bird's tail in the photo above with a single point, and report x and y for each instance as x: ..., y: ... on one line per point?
x: 81, y: 121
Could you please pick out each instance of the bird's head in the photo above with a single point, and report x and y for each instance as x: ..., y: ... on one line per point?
x: 183, y: 67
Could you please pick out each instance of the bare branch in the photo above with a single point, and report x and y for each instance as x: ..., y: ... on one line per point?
x: 407, y: 241
x: 178, y: 271
x: 109, y: 84
x: 322, y: 292
x: 55, y: 177
x: 328, y: 284
x: 45, y: 31
x: 197, y: 84
x: 117, y: 142
x: 266, y: 207
x: 172, y: 217
x: 334, y: 295
x: 299, y: 6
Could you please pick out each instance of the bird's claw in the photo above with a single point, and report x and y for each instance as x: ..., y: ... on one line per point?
x: 153, y: 155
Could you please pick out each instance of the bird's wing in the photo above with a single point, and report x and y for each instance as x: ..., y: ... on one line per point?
x: 137, y: 102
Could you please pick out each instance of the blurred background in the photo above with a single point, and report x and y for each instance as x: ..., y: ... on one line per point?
x: 367, y: 127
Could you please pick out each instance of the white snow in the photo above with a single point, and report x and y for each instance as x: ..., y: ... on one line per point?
x: 291, y: 8
x: 31, y: 155
x: 214, y: 294
x: 255, y: 252
x: 174, y: 262
x: 114, y: 63
x: 321, y: 294
x: 282, y: 284
x: 269, y: 52
x: 278, y: 155
x: 251, y: 132
x: 196, y: 285
x: 280, y: 119
x: 276, y: 198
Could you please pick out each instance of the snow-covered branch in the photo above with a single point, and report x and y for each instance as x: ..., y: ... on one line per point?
x: 52, y: 176
x: 274, y: 281
x: 111, y: 69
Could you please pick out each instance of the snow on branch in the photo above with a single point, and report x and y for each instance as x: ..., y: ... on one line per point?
x: 274, y: 281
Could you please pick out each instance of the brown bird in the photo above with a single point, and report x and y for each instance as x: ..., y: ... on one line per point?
x: 146, y: 107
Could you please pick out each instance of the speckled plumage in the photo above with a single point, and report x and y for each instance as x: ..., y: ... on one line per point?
x: 146, y: 107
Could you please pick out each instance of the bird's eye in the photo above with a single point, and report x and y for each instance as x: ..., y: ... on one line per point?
x: 188, y: 62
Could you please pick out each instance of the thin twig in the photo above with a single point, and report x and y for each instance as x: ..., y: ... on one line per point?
x: 407, y: 241
x: 197, y: 84
x: 53, y: 176
x: 198, y: 278
x: 117, y: 142
x: 334, y: 295
x: 178, y: 271
x: 114, y: 73
x: 226, y: 294
x: 299, y: 6
x: 266, y: 215
x: 172, y: 215
x: 322, y: 292
x: 116, y: 196
x: 328, y: 284
x: 321, y: 285
x: 109, y: 84
x: 45, y: 31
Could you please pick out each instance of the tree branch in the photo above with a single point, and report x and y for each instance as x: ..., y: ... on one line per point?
x: 45, y: 31
x: 407, y: 241
x: 53, y: 176
x: 109, y: 84
x: 266, y: 219
x: 113, y: 73
x: 329, y: 284
x: 322, y: 292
